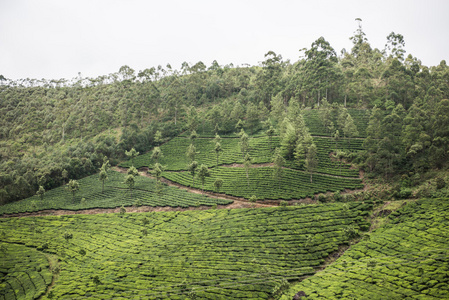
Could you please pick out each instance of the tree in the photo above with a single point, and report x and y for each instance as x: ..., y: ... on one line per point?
x: 156, y: 154
x: 133, y: 171
x: 336, y: 137
x: 130, y: 182
x: 157, y: 172
x: 158, y: 137
x: 65, y: 175
x: 192, y: 167
x: 320, y: 68
x: 73, y: 186
x: 191, y: 152
x: 218, y: 150
x: 247, y: 164
x: 103, y: 177
x: 244, y: 143
x: 395, y: 46
x: 279, y: 162
x: 203, y: 172
x: 132, y: 154
x: 218, y: 183
x: 193, y: 136
x: 325, y: 114
x: 41, y: 192
x: 270, y: 133
x: 252, y: 116
x: 350, y: 129
x: 311, y: 160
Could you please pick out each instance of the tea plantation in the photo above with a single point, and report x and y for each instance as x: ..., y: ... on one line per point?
x: 213, y: 254
x: 293, y: 184
x: 115, y: 194
x: 406, y: 259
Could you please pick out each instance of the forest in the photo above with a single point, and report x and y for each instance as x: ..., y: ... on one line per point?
x: 330, y: 152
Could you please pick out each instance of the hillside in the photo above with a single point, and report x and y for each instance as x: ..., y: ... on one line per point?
x: 214, y: 254
x: 328, y: 175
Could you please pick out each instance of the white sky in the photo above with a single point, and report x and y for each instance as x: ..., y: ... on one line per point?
x: 55, y: 39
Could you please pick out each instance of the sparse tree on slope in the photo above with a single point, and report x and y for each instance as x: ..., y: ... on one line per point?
x: 73, y: 186
x: 311, y: 160
x: 203, y: 172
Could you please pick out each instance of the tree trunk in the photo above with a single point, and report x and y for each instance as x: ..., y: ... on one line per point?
x: 102, y: 187
x: 345, y: 99
x: 310, y: 177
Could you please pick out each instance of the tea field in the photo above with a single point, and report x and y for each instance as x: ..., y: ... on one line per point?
x: 406, y: 259
x: 262, y: 183
x: 212, y: 254
x: 116, y: 194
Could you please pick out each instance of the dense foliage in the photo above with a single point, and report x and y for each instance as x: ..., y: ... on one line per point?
x: 49, y: 126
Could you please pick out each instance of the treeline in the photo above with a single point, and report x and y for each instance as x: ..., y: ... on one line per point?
x: 51, y: 125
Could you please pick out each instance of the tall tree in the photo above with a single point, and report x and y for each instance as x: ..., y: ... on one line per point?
x: 192, y: 167
x: 320, y: 68
x: 157, y: 154
x: 203, y: 172
x: 311, y: 160
x: 103, y: 176
x: 279, y: 162
x: 244, y: 143
x: 218, y: 150
x: 132, y: 154
x: 73, y: 186
x: 191, y: 152
x: 247, y: 164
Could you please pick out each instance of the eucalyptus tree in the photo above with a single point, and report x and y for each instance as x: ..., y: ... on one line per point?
x: 203, y: 172
x: 157, y: 154
x: 321, y: 73
x: 132, y: 154
x: 311, y: 162
x: 192, y: 167
x: 279, y: 162
x: 218, y: 149
x: 247, y: 164
x: 73, y: 186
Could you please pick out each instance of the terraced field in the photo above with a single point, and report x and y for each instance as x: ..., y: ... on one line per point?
x: 213, y: 254
x: 407, y: 259
x: 24, y: 271
x: 260, y: 151
x: 115, y: 194
x: 316, y: 127
x: 293, y: 184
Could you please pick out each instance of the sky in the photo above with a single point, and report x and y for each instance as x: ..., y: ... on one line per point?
x: 55, y: 39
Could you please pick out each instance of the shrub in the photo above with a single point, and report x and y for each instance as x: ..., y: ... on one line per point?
x: 283, y: 203
x: 440, y: 183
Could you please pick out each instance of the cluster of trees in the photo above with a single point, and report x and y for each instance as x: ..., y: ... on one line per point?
x: 51, y: 125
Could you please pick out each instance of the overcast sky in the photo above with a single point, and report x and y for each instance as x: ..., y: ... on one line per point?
x: 55, y: 39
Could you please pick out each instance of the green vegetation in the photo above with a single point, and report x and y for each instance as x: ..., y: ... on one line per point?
x: 215, y: 254
x: 116, y: 193
x: 407, y: 258
x: 25, y: 270
x: 263, y: 182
